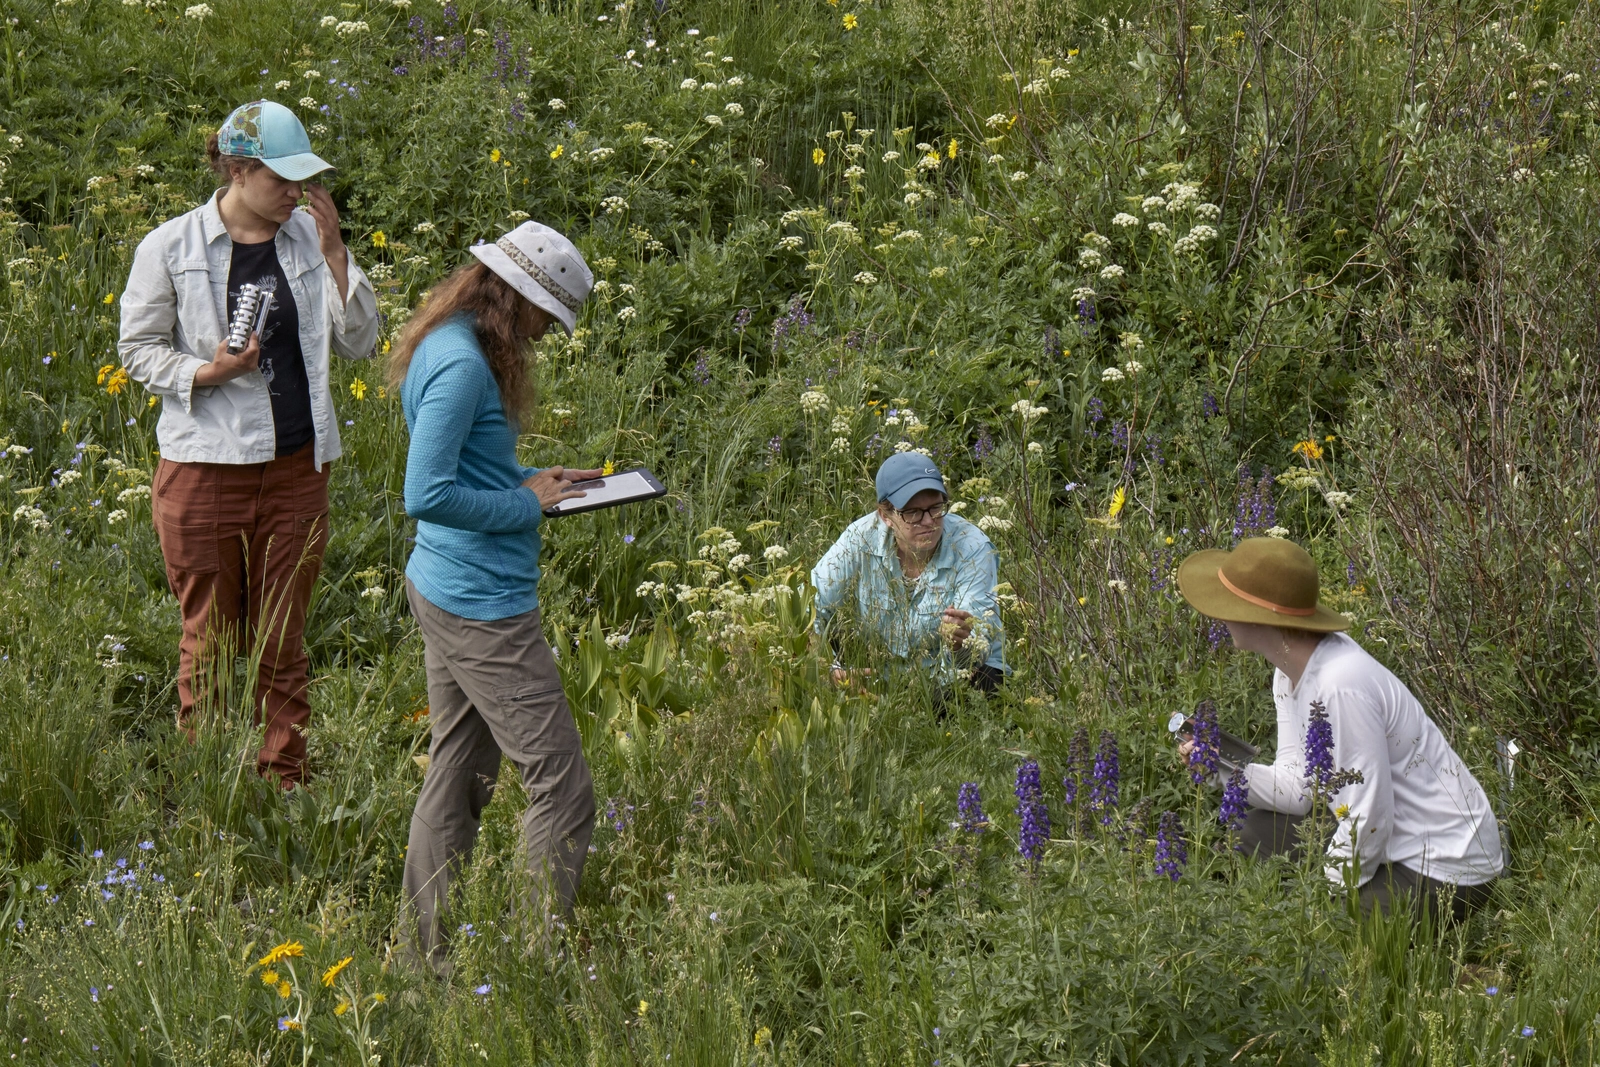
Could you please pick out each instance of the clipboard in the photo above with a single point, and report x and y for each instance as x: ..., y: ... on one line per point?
x: 623, y: 487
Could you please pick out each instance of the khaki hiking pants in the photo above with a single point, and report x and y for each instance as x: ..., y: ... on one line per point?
x: 1267, y: 833
x: 493, y: 687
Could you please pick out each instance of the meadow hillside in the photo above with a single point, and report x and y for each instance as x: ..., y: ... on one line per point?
x: 1142, y: 277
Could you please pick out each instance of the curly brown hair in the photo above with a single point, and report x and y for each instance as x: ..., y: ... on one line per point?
x: 226, y: 165
x: 493, y: 305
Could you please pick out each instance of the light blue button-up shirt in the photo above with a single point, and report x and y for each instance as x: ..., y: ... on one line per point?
x: 962, y: 574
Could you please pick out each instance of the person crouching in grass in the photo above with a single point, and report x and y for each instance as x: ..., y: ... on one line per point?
x: 240, y: 497
x: 461, y: 368
x: 922, y: 580
x: 1422, y: 825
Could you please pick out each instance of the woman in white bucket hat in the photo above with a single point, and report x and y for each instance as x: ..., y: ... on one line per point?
x: 473, y: 578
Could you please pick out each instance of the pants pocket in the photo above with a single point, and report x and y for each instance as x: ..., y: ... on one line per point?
x: 189, y: 548
x: 534, y: 716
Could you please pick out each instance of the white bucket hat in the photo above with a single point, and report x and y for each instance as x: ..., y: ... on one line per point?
x: 543, y: 266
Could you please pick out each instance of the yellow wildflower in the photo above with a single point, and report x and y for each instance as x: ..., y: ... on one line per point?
x: 378, y: 998
x: 333, y: 972
x: 284, y: 990
x: 1330, y: 439
x: 105, y: 372
x: 118, y: 381
x: 1169, y: 539
x: 954, y: 146
x: 289, y: 1024
x: 851, y: 22
x: 341, y: 1007
x: 818, y: 156
x: 1343, y: 811
x: 110, y: 298
x: 1082, y: 601
x: 269, y: 977
x: 494, y: 157
x: 358, y: 389
x: 282, y: 952
x: 1309, y: 449
x: 1118, y: 499
x: 608, y: 470
x: 644, y: 1007
x: 153, y: 401
x: 558, y: 151
x: 383, y: 394
x: 763, y: 1035
x: 380, y: 239
x: 833, y: 3
x: 386, y: 347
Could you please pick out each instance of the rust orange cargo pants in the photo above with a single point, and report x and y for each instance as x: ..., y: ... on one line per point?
x: 243, y: 545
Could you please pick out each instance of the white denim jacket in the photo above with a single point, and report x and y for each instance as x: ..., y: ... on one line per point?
x: 175, y: 311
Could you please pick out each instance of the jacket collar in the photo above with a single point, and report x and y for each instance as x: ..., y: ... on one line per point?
x: 211, y: 218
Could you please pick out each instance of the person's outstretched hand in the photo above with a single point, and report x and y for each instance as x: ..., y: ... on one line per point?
x: 553, y: 484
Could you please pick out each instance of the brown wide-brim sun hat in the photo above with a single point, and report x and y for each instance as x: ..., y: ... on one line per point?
x: 1264, y: 580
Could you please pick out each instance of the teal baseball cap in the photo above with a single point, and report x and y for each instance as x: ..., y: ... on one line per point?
x: 273, y: 134
x: 904, y: 475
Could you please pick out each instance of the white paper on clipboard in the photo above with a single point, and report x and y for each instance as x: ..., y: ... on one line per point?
x: 621, y: 488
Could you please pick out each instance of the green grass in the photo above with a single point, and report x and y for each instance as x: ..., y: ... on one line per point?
x: 1400, y: 272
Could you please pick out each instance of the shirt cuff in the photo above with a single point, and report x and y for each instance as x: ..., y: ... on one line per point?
x: 183, y: 388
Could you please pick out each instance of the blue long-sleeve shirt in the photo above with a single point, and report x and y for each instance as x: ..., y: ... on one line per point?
x: 477, y: 551
x: 863, y: 566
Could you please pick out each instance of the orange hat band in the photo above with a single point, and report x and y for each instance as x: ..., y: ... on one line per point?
x: 1260, y: 602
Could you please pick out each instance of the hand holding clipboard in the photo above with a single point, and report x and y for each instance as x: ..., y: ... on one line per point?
x: 563, y: 491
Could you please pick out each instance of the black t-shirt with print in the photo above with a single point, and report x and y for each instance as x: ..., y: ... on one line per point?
x: 283, y: 365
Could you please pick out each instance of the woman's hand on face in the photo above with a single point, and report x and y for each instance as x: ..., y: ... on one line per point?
x: 226, y: 366
x: 552, y: 485
x: 320, y: 205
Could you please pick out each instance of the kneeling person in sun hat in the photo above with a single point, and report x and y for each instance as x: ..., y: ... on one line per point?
x: 1422, y: 824
x: 461, y: 368
x: 920, y: 579
x: 240, y: 497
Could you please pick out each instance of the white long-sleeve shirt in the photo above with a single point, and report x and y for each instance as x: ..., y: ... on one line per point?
x: 1418, y: 805
x: 175, y: 311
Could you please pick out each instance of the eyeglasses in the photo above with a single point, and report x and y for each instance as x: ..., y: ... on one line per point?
x: 916, y: 516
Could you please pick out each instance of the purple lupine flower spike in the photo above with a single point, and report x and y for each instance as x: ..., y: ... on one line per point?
x: 969, y: 805
x: 1207, y: 743
x: 1032, y: 811
x: 1319, y: 746
x: 1235, y: 799
x: 1107, y: 773
x: 1172, y: 852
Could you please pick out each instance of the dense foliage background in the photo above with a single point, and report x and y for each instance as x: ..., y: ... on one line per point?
x: 1142, y: 277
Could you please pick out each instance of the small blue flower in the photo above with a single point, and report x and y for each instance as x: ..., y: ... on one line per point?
x: 283, y: 1022
x: 1491, y: 991
x: 107, y: 894
x: 484, y: 989
x: 1528, y: 1031
x: 97, y: 854
x: 21, y: 925
x: 146, y: 846
x: 42, y: 888
x: 94, y: 994
x: 627, y: 539
x: 88, y: 922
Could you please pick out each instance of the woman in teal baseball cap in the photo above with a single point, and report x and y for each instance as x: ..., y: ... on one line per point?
x: 247, y: 428
x: 921, y: 580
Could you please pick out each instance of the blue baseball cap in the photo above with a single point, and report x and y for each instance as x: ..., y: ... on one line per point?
x: 904, y: 475
x: 273, y: 134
